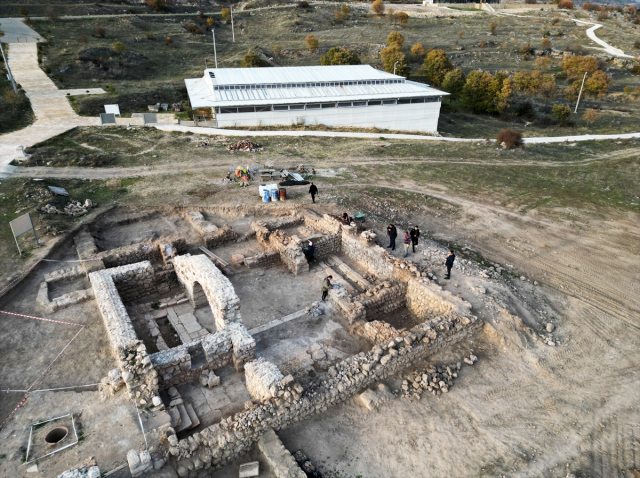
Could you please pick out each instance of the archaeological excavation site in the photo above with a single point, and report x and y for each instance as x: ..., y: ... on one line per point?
x: 199, y: 336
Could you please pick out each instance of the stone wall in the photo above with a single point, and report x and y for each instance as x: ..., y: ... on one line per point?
x: 261, y: 378
x: 325, y: 224
x: 427, y: 300
x: 266, y: 258
x: 327, y: 245
x: 224, y: 302
x: 143, y: 251
x: 114, y: 314
x: 280, y: 460
x: 377, y: 332
x: 212, y: 235
x: 223, y: 442
x: 289, y: 248
x: 232, y: 345
x: 132, y: 286
x: 87, y: 250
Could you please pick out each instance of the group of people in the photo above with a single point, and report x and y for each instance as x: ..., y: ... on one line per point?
x: 411, y: 239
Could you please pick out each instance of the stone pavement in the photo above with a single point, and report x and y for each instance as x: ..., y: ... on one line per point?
x: 51, y: 108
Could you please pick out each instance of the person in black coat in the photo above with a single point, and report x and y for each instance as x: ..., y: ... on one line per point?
x: 449, y: 263
x: 415, y: 234
x: 392, y: 232
x: 309, y: 252
x: 313, y: 190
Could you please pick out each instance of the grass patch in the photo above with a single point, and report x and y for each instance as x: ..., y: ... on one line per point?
x: 14, y: 114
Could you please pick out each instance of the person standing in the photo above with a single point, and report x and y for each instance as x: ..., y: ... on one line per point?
x: 309, y: 252
x: 449, y: 263
x: 392, y: 232
x: 415, y: 234
x: 313, y: 190
x: 326, y: 286
x: 407, y: 242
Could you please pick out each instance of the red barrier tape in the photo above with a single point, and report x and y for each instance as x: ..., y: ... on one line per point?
x: 40, y: 318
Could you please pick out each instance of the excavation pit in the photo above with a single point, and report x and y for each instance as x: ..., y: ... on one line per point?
x: 56, y: 435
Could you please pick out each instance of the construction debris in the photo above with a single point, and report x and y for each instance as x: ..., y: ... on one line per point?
x: 74, y: 208
x: 245, y: 145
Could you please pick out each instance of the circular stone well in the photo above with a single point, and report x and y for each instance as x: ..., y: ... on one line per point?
x: 56, y: 435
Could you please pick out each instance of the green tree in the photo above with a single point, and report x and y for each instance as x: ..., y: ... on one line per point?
x: 377, y: 7
x: 395, y: 57
x: 159, y: 5
x: 436, y: 66
x: 562, y: 113
x: 251, y: 60
x: 453, y: 83
x: 402, y: 18
x: 311, y: 42
x: 119, y: 48
x: 395, y: 38
x: 339, y: 56
x: 484, y: 93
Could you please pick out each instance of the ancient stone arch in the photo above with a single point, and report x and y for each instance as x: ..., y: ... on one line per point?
x: 196, y: 274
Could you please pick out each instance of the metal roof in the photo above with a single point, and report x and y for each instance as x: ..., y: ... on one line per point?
x: 202, y: 94
x: 294, y: 74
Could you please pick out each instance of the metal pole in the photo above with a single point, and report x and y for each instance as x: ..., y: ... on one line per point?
x: 580, y: 94
x: 13, y: 83
x: 233, y: 31
x: 215, y: 53
x: 394, y: 66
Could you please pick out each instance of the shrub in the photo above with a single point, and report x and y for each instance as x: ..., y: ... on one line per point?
x: 303, y: 4
x: 251, y: 60
x: 510, y: 138
x: 562, y: 113
x: 493, y: 26
x: 119, y: 48
x: 417, y: 51
x: 603, y: 15
x: 23, y: 11
x: 226, y: 15
x: 526, y: 110
x: 566, y: 4
x: 530, y: 2
x: 395, y: 38
x: 590, y: 115
x: 339, y: 56
x: 636, y: 44
x: 436, y: 66
x: 542, y: 63
x: 101, y: 32
x: 546, y: 43
x: 159, y: 5
x: 83, y: 39
x: 402, y: 18
x: 377, y: 7
x: 311, y: 42
x: 52, y: 14
x: 346, y: 11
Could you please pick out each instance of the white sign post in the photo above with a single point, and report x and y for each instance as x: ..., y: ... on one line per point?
x: 22, y: 225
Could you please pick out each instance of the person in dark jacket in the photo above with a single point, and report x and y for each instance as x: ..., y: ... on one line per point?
x: 392, y: 232
x: 449, y: 263
x: 313, y: 190
x: 415, y: 234
x: 309, y: 252
x: 326, y: 285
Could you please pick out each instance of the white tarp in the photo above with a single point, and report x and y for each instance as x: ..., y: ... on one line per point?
x: 114, y: 109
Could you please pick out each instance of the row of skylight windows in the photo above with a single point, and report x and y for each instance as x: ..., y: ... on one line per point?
x: 317, y: 106
x: 308, y: 85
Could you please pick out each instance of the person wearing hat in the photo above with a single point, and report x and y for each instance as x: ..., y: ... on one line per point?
x: 309, y: 252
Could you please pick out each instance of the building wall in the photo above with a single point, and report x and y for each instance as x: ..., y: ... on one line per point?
x: 409, y: 117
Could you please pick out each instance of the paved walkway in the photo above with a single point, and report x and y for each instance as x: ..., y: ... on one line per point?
x: 51, y: 108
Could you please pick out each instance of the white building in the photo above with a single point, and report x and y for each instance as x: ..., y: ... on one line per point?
x: 359, y: 96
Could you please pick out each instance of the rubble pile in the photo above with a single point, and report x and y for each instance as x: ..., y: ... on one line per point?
x: 245, y: 145
x: 437, y: 380
x: 74, y: 208
x: 315, y: 309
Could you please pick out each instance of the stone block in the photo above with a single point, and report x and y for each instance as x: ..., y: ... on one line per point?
x: 250, y: 469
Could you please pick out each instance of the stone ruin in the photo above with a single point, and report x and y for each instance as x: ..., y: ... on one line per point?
x: 131, y: 273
